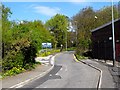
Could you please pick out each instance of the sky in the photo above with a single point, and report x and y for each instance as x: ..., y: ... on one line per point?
x: 45, y: 10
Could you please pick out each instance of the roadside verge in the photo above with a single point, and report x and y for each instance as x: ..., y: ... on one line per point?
x: 20, y: 80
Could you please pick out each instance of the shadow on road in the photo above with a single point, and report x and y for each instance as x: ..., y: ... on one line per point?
x: 50, y: 75
x: 54, y: 71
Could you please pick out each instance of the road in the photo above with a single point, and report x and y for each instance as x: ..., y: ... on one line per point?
x: 67, y: 74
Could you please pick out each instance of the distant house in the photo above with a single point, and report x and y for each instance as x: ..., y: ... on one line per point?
x: 102, y: 43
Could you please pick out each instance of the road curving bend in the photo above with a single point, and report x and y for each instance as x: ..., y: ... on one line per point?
x: 67, y: 74
x: 100, y: 75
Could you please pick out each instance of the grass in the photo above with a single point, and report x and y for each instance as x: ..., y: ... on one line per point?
x: 17, y: 70
x: 71, y: 49
x: 80, y: 57
x: 48, y: 52
x: 12, y: 72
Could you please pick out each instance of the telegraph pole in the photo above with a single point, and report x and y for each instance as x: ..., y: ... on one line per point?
x: 76, y: 31
x: 66, y: 40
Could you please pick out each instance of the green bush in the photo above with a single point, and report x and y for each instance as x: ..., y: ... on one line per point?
x: 21, y: 42
x: 57, y: 50
x: 79, y: 57
x: 71, y: 49
x: 29, y: 54
x: 29, y: 66
x: 13, y: 71
x: 38, y: 63
x: 48, y: 52
x: 12, y: 59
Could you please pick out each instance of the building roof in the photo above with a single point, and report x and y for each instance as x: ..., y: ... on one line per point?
x: 104, y: 25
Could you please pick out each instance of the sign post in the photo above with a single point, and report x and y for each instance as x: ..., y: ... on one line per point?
x: 46, y: 45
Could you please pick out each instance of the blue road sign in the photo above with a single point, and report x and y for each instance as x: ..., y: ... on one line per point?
x: 46, y: 45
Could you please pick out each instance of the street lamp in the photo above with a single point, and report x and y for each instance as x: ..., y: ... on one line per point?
x: 95, y: 17
x: 72, y: 43
x: 113, y: 35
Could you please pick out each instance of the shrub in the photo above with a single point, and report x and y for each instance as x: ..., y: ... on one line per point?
x: 13, y: 71
x: 79, y: 57
x: 12, y: 59
x: 29, y: 54
x: 48, y: 52
x: 71, y: 49
x: 29, y: 66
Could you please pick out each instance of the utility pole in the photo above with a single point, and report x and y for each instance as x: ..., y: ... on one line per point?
x: 113, y: 34
x: 76, y: 31
x: 66, y: 40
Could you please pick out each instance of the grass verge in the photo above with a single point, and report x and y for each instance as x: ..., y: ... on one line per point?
x: 47, y: 52
x: 80, y: 57
x: 17, y: 70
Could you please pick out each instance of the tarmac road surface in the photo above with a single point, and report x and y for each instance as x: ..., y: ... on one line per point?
x: 67, y: 74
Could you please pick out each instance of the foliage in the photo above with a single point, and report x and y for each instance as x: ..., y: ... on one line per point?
x: 19, y: 69
x: 85, y: 21
x: 29, y: 66
x: 20, y: 42
x: 58, y: 27
x: 71, y: 39
x: 13, y: 71
x: 48, y: 52
x: 13, y: 59
x: 118, y: 8
x: 79, y: 57
x: 0, y: 34
x: 71, y: 49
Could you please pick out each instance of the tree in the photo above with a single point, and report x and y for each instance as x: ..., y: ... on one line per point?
x: 119, y: 9
x: 21, y: 41
x: 71, y: 38
x: 86, y: 21
x: 105, y: 15
x: 0, y: 33
x: 6, y: 36
x: 58, y: 27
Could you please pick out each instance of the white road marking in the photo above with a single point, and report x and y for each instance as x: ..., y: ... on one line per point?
x: 56, y: 74
x: 36, y: 77
x: 50, y: 75
x: 66, y: 68
x: 19, y: 86
x: 61, y: 69
x: 44, y: 87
